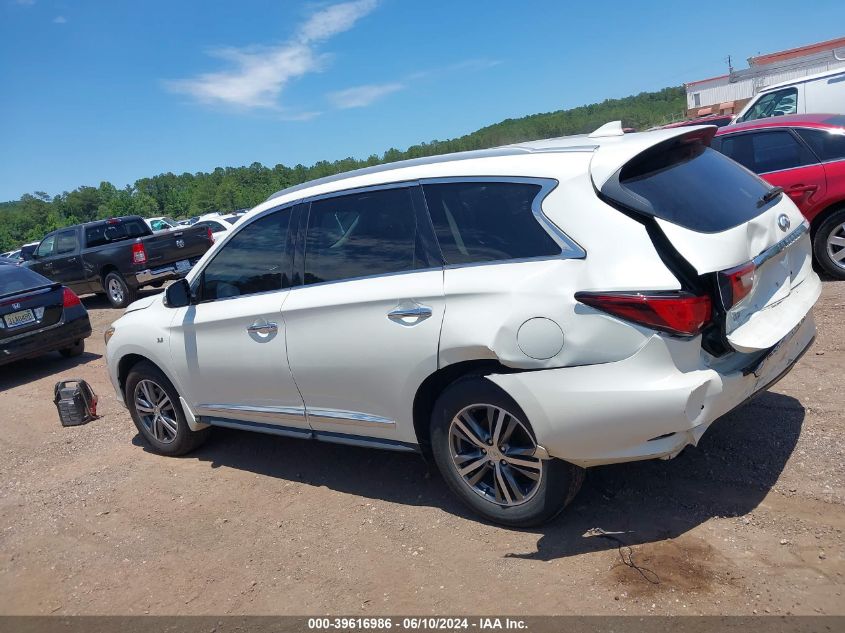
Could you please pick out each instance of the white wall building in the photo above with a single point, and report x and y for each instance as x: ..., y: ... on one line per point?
x: 727, y: 94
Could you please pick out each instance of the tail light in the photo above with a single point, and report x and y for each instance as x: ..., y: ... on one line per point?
x: 139, y: 253
x: 673, y: 312
x: 69, y: 298
x: 737, y: 283
x: 210, y: 234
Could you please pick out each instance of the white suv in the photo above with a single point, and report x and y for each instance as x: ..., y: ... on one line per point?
x: 519, y: 313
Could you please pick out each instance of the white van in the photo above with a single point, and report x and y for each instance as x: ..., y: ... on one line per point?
x: 822, y: 92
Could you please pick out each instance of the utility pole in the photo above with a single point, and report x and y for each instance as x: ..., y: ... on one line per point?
x: 730, y: 65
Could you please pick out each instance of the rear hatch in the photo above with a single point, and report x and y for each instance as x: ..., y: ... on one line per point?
x: 179, y: 244
x: 722, y: 230
x: 28, y: 302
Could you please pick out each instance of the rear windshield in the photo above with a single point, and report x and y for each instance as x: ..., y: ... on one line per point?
x: 108, y: 232
x: 691, y: 185
x: 16, y: 278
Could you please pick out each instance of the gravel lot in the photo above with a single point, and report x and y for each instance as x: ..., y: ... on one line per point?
x: 751, y: 521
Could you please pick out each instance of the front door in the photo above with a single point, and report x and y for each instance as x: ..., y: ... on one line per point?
x: 363, y: 330
x: 229, y: 345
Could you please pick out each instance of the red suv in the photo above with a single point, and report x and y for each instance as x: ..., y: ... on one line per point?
x: 804, y: 154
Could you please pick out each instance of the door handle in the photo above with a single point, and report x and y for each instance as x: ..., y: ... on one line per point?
x: 801, y: 188
x: 262, y: 327
x: 418, y: 312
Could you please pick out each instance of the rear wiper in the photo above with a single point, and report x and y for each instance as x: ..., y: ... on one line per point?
x: 770, y: 195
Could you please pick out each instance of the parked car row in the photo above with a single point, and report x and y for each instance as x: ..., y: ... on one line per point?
x: 518, y: 314
x: 117, y: 256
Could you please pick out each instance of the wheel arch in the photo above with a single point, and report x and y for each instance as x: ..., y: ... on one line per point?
x: 431, y: 388
x: 824, y: 214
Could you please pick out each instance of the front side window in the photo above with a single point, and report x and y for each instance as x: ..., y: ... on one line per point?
x: 487, y: 221
x: 359, y: 235
x: 764, y: 152
x: 775, y: 103
x: 45, y: 248
x: 66, y: 242
x: 827, y: 144
x: 250, y: 262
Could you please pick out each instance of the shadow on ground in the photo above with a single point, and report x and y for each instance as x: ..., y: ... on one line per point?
x: 737, y: 462
x: 51, y: 364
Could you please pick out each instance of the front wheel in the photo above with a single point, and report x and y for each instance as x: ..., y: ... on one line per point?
x: 485, y: 450
x: 829, y: 245
x: 154, y: 406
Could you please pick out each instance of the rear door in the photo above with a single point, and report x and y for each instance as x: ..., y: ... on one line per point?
x: 781, y: 158
x: 363, y: 328
x: 66, y: 262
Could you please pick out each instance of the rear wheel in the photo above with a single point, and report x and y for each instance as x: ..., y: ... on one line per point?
x: 485, y: 450
x: 829, y: 245
x: 154, y: 405
x: 74, y: 350
x: 117, y: 291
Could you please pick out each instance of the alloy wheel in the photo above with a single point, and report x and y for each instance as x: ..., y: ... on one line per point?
x: 115, y: 291
x: 156, y: 411
x: 836, y: 245
x: 494, y: 454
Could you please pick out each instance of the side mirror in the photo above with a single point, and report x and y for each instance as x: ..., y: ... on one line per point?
x: 178, y: 294
x: 26, y: 257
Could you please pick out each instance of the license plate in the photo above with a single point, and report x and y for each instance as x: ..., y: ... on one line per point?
x: 183, y: 265
x: 16, y: 319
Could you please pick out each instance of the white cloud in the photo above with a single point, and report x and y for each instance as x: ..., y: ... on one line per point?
x: 59, y: 19
x: 259, y: 74
x: 362, y: 96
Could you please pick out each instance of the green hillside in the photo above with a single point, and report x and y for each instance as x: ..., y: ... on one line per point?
x: 228, y: 188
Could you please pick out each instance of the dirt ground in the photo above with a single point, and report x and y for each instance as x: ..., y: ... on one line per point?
x: 750, y: 521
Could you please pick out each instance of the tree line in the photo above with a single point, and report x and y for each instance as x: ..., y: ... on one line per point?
x: 229, y: 188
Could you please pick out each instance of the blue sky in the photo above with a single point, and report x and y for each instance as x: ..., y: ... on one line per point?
x: 118, y: 90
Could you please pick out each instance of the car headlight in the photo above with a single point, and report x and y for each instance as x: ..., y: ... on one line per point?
x: 108, y: 334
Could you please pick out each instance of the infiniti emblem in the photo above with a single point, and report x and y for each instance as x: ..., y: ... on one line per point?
x: 783, y: 222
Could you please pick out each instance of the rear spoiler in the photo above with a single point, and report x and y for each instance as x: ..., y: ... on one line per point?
x: 30, y: 291
x: 614, y: 154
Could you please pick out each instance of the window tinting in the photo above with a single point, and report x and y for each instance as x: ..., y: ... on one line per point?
x: 487, y: 221
x: 828, y: 145
x: 252, y: 261
x: 691, y: 185
x: 66, y: 242
x: 100, y: 234
x: 362, y: 234
x: 763, y: 152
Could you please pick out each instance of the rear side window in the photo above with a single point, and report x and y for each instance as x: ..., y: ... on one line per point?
x: 66, y: 242
x: 115, y: 231
x: 764, y: 152
x: 827, y: 144
x: 252, y: 261
x: 372, y: 233
x: 689, y: 184
x: 487, y: 221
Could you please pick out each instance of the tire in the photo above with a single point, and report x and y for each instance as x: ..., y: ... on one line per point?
x: 74, y: 350
x: 542, y: 499
x: 824, y: 248
x: 168, y: 434
x: 118, y: 293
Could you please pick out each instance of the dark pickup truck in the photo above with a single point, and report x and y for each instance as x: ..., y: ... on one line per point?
x: 117, y: 256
